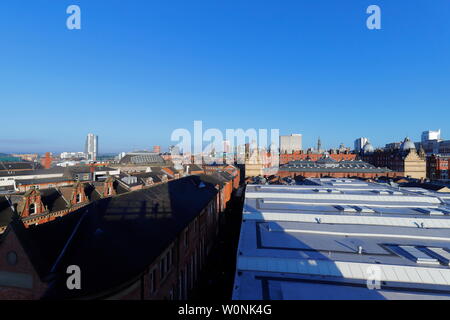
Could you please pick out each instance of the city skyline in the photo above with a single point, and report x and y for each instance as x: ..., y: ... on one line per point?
x: 145, y: 69
x: 165, y: 148
x: 207, y: 153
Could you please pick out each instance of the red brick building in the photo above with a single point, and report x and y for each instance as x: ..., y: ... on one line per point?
x: 157, y: 149
x: 35, y: 207
x: 47, y: 160
x: 405, y: 159
x: 147, y: 244
x: 438, y: 167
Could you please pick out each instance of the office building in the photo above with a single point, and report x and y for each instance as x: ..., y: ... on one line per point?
x: 431, y: 135
x: 360, y: 143
x: 72, y: 155
x: 291, y: 143
x: 91, y: 147
x: 404, y: 159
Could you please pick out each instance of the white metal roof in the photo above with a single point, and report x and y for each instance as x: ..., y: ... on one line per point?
x: 338, y: 229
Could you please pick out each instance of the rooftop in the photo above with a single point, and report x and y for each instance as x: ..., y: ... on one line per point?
x: 113, y: 240
x: 331, y: 165
x: 324, y: 240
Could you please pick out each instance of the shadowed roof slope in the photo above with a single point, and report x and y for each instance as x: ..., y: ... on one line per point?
x: 113, y: 240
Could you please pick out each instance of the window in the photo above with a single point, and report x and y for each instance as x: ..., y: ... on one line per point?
x: 192, y: 273
x: 162, y: 267
x: 169, y: 258
x: 32, y: 209
x: 182, y: 285
x: 166, y: 263
x: 152, y: 281
x: 11, y: 258
x: 186, y: 238
x: 196, y: 264
x: 78, y: 198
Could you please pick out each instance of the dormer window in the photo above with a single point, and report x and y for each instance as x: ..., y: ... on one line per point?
x: 32, y: 209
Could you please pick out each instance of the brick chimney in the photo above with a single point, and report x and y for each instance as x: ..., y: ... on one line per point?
x: 47, y: 160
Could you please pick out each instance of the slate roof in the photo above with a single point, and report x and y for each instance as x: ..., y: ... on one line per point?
x: 42, y: 181
x: 156, y: 177
x: 145, y: 158
x: 192, y: 167
x: 55, y: 170
x: 214, y: 178
x: 11, y: 166
x: 6, y: 213
x: 53, y: 200
x: 114, y: 239
x: 331, y: 165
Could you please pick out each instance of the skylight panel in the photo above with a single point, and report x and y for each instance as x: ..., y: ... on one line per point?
x: 441, y: 254
x: 345, y: 208
x: 364, y: 209
x: 419, y: 256
x: 385, y: 192
x: 430, y: 211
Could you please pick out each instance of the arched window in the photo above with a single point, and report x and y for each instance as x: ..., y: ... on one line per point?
x: 32, y: 209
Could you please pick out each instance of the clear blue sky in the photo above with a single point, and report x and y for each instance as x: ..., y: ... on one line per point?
x: 139, y: 69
